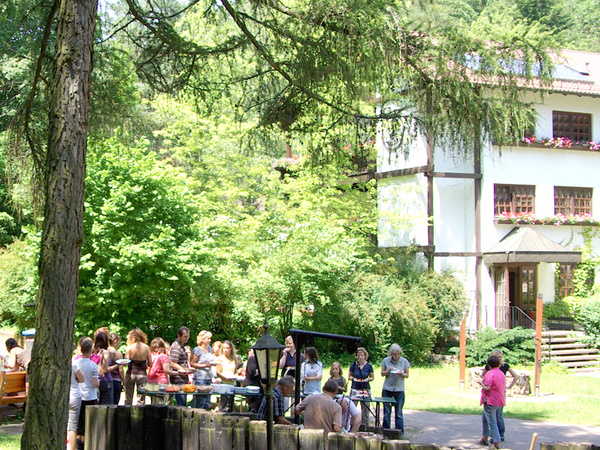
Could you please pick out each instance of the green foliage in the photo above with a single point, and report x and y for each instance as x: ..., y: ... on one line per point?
x: 517, y: 345
x: 587, y: 314
x: 18, y: 281
x: 146, y: 245
x: 558, y: 308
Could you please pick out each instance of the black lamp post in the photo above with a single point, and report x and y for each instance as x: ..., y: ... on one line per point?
x: 268, y: 352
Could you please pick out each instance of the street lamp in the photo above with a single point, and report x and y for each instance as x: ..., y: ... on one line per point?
x: 268, y: 352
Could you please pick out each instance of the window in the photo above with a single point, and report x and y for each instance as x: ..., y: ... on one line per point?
x: 565, y: 280
x: 575, y: 126
x: 572, y: 200
x: 513, y: 199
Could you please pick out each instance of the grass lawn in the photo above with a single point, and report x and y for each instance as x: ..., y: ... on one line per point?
x: 10, y: 441
x: 437, y: 388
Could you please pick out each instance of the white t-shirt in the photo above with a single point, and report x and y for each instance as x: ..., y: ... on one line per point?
x: 74, y: 392
x: 90, y: 371
x: 312, y: 370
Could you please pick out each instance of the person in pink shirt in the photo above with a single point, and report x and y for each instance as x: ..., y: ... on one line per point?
x: 493, y: 400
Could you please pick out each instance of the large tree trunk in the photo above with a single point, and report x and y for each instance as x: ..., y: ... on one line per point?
x: 49, y: 373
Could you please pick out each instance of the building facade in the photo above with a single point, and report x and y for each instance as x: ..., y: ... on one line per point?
x: 512, y: 222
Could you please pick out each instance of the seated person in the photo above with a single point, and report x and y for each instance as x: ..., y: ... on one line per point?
x: 285, y: 388
x: 321, y: 411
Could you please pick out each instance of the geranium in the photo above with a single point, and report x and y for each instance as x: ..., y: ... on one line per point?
x: 561, y: 142
x: 557, y: 219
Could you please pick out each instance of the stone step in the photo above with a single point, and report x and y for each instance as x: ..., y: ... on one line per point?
x: 573, y: 364
x: 566, y: 346
x: 580, y: 357
x: 561, y: 340
x: 578, y: 351
x: 585, y: 369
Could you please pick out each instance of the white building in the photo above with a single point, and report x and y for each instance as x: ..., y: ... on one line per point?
x: 468, y: 201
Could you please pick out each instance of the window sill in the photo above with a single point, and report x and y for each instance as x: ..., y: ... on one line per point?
x: 586, y: 223
x: 542, y: 145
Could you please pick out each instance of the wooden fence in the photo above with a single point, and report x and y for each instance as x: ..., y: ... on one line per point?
x: 158, y: 427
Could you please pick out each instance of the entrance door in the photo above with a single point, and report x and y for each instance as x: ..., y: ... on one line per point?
x: 502, y: 298
x: 516, y: 291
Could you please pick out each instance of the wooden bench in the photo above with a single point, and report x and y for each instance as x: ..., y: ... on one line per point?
x: 13, y: 388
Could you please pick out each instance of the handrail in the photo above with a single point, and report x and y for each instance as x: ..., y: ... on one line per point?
x: 518, y: 318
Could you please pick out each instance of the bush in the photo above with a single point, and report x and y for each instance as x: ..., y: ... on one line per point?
x: 587, y: 314
x: 517, y: 346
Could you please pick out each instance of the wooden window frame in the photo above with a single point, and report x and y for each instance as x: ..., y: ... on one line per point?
x: 515, y: 203
x: 566, y: 275
x: 575, y: 126
x: 574, y: 201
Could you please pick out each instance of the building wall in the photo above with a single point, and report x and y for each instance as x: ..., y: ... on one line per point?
x: 454, y: 223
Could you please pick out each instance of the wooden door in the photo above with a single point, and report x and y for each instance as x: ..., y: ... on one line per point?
x: 502, y: 298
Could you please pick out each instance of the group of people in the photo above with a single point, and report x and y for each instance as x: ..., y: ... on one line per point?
x: 98, y: 377
x: 98, y: 374
x: 394, y: 368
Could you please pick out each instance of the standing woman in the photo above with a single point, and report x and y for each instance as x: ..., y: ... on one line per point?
x: 504, y: 368
x: 395, y: 369
x: 116, y: 370
x: 161, y: 367
x: 101, y: 356
x: 361, y: 374
x: 287, y: 363
x: 203, y: 359
x: 311, y: 371
x: 230, y: 365
x: 141, y: 358
x: 493, y: 400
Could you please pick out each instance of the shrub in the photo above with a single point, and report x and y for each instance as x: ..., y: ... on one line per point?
x: 587, y: 314
x: 517, y: 346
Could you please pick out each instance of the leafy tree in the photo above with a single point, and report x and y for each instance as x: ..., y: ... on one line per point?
x: 145, y: 243
x: 317, y: 64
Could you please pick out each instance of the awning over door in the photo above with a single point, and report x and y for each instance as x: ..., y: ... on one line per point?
x: 525, y: 245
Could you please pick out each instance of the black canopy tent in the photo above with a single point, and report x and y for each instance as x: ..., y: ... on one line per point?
x: 303, y: 337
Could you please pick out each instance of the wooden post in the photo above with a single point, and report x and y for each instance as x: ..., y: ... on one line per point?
x: 190, y: 429
x: 539, y: 316
x: 367, y: 443
x: 123, y: 427
x: 286, y: 437
x: 136, y: 441
x: 396, y: 445
x: 111, y: 427
x: 463, y: 350
x: 312, y: 440
x: 340, y: 441
x: 257, y: 439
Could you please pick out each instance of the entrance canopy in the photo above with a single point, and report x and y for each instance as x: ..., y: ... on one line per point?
x: 525, y: 245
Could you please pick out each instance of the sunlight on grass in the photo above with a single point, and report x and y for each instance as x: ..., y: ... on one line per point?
x: 574, y: 398
x: 10, y: 441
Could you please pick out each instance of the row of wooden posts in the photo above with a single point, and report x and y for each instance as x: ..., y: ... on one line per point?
x: 159, y: 427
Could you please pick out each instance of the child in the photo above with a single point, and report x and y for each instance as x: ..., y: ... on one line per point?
x: 336, y: 375
x: 493, y: 400
x: 88, y: 386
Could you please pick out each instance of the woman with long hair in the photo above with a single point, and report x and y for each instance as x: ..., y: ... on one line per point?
x: 311, y: 371
x: 141, y: 358
x: 101, y: 356
x: 203, y: 359
x: 116, y: 370
x: 230, y: 365
x: 18, y: 358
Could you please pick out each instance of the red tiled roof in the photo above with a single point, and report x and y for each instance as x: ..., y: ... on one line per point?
x: 587, y: 64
